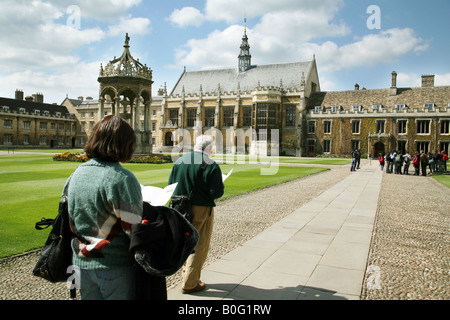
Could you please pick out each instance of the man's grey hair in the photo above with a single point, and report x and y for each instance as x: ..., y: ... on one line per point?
x: 203, y: 142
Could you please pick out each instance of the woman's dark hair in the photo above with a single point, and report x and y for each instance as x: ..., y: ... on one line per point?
x: 112, y: 140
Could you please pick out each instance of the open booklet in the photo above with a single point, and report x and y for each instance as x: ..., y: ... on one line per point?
x: 160, y: 197
x: 225, y: 177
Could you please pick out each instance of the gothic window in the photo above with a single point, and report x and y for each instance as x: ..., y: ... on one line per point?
x: 445, y: 126
x: 290, y: 116
x: 173, y: 114
x: 228, y: 118
x: 247, y: 116
x: 355, y: 144
x: 265, y: 119
x: 422, y: 146
x: 381, y: 126
x: 326, y: 146
x: 402, y: 126
x: 311, y: 127
x: 327, y: 126
x: 209, y: 117
x: 423, y: 126
x: 355, y: 126
x: 191, y: 113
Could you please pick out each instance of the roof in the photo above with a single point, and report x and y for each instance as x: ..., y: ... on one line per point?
x: 229, y: 79
x: 30, y: 106
x: 412, y: 97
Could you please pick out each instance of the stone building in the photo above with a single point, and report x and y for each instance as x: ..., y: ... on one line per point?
x: 30, y: 123
x: 276, y: 109
x: 243, y: 105
x: 376, y: 121
x: 256, y: 109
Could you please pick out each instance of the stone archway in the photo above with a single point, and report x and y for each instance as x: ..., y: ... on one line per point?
x: 378, y: 148
x: 168, y: 139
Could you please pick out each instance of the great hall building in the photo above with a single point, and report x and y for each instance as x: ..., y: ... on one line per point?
x: 251, y: 109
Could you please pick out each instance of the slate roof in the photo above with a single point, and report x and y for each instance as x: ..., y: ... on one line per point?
x: 230, y: 78
x: 30, y: 106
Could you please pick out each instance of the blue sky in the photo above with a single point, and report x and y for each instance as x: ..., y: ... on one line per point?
x: 56, y: 47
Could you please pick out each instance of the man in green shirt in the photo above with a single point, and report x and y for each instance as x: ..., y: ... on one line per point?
x: 208, y: 188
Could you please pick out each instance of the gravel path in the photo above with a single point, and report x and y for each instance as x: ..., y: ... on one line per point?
x: 410, y: 241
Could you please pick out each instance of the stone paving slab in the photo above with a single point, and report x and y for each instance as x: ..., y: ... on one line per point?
x: 319, y: 251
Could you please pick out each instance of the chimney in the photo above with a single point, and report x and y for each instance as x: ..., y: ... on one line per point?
x: 394, y: 83
x: 428, y: 81
x: 38, y: 97
x: 19, y: 94
x: 394, y: 80
x: 80, y: 98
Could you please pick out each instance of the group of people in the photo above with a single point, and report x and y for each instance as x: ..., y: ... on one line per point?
x: 398, y: 163
x: 105, y: 201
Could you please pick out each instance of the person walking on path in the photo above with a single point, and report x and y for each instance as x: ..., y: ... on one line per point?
x: 353, y: 165
x: 104, y: 201
x: 209, y: 188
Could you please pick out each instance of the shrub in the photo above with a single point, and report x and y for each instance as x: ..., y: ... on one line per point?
x: 81, y: 157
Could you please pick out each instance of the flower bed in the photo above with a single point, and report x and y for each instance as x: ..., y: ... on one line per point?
x: 81, y: 157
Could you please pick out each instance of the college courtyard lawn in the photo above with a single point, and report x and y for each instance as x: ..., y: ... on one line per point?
x: 31, y: 186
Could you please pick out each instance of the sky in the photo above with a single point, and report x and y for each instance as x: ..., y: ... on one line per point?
x: 55, y: 47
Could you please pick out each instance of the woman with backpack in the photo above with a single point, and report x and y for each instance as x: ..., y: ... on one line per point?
x: 381, y: 160
x: 416, y: 163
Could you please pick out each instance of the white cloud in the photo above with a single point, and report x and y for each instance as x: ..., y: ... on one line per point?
x: 98, y: 9
x: 442, y: 79
x: 415, y: 80
x: 234, y: 10
x: 74, y: 83
x: 217, y: 50
x: 134, y: 26
x: 386, y: 47
x: 187, y: 16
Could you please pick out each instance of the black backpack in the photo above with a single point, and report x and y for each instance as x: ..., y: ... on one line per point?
x: 162, y: 245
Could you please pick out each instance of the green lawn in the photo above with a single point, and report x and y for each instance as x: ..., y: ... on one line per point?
x: 444, y: 179
x: 31, y: 185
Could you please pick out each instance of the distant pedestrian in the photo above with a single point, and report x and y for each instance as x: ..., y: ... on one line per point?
x: 416, y: 163
x: 388, y: 161
x: 357, y: 158
x: 407, y: 161
x: 398, y: 162
x: 391, y: 163
x: 381, y: 161
x: 431, y: 161
x: 423, y: 163
x: 444, y: 160
x: 353, y: 165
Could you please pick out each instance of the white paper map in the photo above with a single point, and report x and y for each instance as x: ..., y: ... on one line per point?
x: 225, y: 177
x: 158, y: 196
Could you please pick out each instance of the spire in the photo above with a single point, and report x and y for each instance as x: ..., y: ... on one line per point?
x: 245, y: 59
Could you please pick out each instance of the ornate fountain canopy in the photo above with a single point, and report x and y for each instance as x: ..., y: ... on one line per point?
x: 126, y: 66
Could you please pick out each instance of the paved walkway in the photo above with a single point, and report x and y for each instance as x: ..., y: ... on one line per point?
x: 319, y: 251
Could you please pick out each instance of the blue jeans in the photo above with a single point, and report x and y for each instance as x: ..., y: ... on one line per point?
x: 107, y: 284
x: 352, y: 168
